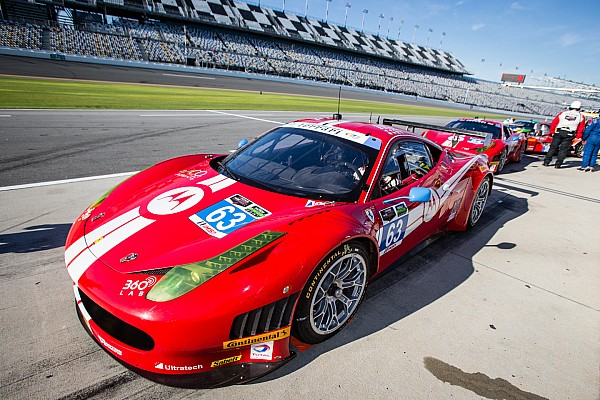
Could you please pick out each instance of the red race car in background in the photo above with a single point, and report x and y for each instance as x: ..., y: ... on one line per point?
x: 477, y: 136
x: 197, y: 271
x: 540, y: 138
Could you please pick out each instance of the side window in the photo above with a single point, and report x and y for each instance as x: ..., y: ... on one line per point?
x: 407, y: 162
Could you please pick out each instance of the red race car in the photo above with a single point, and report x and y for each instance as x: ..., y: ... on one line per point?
x: 480, y: 136
x: 540, y: 139
x: 197, y: 271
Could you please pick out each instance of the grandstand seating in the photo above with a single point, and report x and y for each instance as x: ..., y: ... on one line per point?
x: 425, y: 72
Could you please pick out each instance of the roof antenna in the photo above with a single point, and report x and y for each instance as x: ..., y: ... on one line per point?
x: 338, y: 116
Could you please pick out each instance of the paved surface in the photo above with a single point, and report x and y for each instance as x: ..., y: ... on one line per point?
x: 510, y: 309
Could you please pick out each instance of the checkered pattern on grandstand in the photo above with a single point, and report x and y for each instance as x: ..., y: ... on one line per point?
x: 260, y: 19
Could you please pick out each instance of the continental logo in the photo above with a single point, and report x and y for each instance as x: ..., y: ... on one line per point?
x: 265, y: 337
x: 226, y: 361
x: 324, y: 266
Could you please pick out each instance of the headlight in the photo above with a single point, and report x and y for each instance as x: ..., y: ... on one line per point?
x: 184, y: 278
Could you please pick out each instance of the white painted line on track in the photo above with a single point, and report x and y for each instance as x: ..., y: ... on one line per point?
x: 191, y: 76
x: 5, y: 116
x: 245, y: 116
x: 61, y: 182
x: 172, y: 115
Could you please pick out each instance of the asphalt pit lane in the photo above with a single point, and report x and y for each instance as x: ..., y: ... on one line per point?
x: 477, y: 382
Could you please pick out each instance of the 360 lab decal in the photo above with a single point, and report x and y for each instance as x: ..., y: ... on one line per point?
x: 228, y: 215
x: 137, y: 287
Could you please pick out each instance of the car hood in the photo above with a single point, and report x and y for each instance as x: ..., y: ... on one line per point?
x: 465, y: 142
x: 185, y: 216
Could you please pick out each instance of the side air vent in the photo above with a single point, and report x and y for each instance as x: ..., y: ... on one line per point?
x: 264, y: 319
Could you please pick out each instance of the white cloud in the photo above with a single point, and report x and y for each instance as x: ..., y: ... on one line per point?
x: 477, y: 27
x: 569, y: 39
x: 516, y: 6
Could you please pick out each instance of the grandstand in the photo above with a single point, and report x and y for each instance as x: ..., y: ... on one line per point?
x: 226, y: 34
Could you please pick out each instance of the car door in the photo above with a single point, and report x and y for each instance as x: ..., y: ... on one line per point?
x: 402, y: 224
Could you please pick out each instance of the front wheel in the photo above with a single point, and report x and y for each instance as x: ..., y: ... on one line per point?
x: 479, y: 202
x: 502, y: 160
x: 332, y: 294
x: 579, y: 150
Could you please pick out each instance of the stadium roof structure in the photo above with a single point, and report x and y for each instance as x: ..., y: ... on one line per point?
x: 252, y: 18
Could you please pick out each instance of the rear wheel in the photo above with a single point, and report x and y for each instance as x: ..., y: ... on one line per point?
x: 521, y: 152
x: 332, y: 294
x: 479, y: 202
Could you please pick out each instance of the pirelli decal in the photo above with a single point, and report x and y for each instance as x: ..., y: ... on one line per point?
x: 265, y: 337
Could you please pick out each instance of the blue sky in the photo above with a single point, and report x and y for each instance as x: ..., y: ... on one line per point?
x: 557, y: 38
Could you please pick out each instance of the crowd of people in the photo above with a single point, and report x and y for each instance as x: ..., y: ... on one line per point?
x: 217, y: 48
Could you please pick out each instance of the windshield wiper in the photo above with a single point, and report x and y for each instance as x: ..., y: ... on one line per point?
x: 224, y: 168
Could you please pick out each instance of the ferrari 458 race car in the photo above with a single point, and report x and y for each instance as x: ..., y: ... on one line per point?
x: 481, y: 136
x: 540, y: 138
x: 196, y: 272
x: 524, y: 126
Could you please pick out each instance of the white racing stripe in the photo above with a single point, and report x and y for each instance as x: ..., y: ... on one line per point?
x: 101, y: 241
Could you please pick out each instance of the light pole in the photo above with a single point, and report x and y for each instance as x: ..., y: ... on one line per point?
x: 429, y: 34
x: 379, y: 23
x: 348, y: 5
x: 306, y: 9
x: 414, y: 32
x: 389, y: 22
x: 400, y: 28
x: 327, y: 9
x: 441, y: 38
x: 362, y: 25
x: 284, y: 6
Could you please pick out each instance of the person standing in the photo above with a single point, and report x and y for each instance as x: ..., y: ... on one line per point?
x: 591, y: 140
x: 565, y: 126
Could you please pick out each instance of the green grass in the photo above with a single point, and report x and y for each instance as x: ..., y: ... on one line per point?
x: 67, y: 94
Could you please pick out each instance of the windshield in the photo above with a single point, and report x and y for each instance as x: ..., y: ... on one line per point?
x: 528, y: 125
x: 302, y: 163
x: 477, y: 126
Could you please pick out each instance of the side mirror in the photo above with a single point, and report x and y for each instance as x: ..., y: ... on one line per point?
x: 419, y: 195
x: 242, y: 143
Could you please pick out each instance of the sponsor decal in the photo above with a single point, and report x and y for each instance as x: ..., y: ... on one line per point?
x: 473, y: 140
x: 109, y: 346
x: 176, y: 200
x: 224, y: 361
x: 86, y: 214
x: 168, y: 367
x: 370, y: 214
x: 455, y: 208
x: 137, y: 287
x: 257, y: 339
x: 395, y: 221
x: 228, y: 215
x: 262, y: 351
x: 191, y: 174
x: 329, y: 128
x: 313, y: 203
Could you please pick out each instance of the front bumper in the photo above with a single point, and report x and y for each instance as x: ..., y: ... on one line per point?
x: 223, y: 376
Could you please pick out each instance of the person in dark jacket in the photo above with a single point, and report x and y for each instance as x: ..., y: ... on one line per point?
x: 564, y: 127
x: 591, y: 139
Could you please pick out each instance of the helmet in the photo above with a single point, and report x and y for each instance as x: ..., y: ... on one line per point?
x: 576, y: 105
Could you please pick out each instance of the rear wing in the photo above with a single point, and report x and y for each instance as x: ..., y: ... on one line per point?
x: 413, y: 126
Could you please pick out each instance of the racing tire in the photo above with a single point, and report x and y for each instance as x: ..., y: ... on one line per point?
x: 502, y: 161
x: 479, y: 201
x: 332, y: 294
x: 579, y: 150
